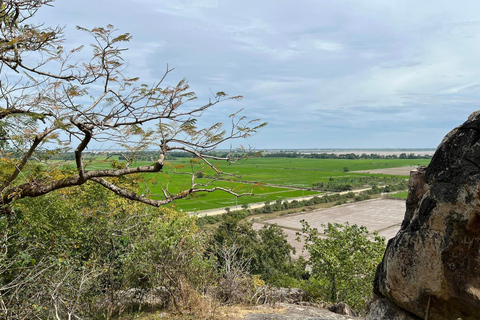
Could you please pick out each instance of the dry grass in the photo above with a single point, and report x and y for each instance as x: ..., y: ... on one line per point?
x: 228, y: 312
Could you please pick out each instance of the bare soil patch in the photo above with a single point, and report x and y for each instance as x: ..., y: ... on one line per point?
x: 400, y: 171
x: 382, y: 215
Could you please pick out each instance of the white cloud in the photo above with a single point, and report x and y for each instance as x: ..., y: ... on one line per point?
x: 327, y: 45
x: 312, y: 65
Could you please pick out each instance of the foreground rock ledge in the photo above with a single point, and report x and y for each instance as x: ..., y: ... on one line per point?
x: 431, y: 269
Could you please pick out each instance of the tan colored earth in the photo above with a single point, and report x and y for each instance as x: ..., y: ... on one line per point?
x: 400, y: 171
x: 382, y: 215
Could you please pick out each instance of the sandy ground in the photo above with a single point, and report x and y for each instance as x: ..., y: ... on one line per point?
x: 382, y: 215
x: 400, y: 171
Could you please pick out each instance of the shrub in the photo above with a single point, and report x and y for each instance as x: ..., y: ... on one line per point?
x: 344, y: 263
x: 86, y: 254
x: 267, y: 250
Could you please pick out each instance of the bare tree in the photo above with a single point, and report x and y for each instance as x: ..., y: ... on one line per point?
x: 50, y: 103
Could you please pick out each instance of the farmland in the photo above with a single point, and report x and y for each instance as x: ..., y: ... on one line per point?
x: 382, y: 215
x: 269, y: 179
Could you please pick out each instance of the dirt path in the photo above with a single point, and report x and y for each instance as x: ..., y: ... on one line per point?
x: 214, y: 212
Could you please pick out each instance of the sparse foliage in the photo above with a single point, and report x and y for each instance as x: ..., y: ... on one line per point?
x: 49, y: 103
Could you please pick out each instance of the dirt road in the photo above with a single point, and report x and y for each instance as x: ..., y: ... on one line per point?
x: 215, y: 212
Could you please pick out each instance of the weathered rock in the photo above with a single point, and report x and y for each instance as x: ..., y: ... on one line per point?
x: 384, y: 309
x: 416, y: 190
x: 342, y: 308
x: 432, y: 266
x: 295, y: 312
x: 287, y: 295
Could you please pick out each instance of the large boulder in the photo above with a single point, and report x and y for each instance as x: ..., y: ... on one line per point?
x: 431, y: 269
x: 383, y: 309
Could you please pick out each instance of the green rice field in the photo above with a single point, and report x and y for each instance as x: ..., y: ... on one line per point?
x: 400, y: 195
x: 270, y: 179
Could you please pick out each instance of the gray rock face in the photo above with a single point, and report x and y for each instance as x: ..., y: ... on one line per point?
x: 383, y: 309
x: 432, y: 267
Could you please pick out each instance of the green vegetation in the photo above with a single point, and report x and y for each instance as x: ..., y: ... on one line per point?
x: 400, y: 195
x: 80, y: 252
x: 346, y: 184
x: 87, y: 253
x: 344, y: 263
x: 88, y: 248
x: 82, y: 235
x: 265, y: 252
x: 270, y: 179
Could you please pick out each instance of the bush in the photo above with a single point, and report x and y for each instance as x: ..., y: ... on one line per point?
x: 344, y: 263
x: 87, y: 254
x: 267, y: 250
x: 171, y: 255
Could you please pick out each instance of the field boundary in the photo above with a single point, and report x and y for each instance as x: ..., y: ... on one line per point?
x: 214, y: 212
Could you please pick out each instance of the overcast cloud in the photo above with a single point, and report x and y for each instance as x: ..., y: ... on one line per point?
x: 324, y: 74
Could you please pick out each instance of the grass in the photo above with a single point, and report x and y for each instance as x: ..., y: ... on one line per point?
x: 223, y: 312
x: 400, y: 195
x: 269, y: 179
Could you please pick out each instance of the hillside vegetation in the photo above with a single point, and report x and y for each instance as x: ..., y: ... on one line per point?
x: 87, y: 253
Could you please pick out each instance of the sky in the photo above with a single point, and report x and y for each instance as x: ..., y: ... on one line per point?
x: 323, y: 74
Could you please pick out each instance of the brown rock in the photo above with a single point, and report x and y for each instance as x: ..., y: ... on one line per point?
x: 342, y: 308
x: 432, y: 266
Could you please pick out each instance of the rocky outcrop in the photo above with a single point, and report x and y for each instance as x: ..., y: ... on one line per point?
x: 342, y: 308
x: 285, y: 311
x: 382, y: 309
x: 431, y: 269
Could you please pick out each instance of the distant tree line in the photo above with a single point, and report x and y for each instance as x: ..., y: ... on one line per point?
x: 345, y: 156
x: 148, y: 155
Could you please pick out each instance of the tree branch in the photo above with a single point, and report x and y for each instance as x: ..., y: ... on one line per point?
x: 223, y: 189
x: 38, y: 188
x: 133, y: 196
x: 119, y: 113
x: 7, y: 112
x: 38, y: 139
x: 87, y: 130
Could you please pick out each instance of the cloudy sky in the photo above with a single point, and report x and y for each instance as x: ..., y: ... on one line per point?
x: 324, y: 74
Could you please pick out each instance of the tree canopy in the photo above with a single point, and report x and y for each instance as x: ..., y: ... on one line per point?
x: 49, y: 102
